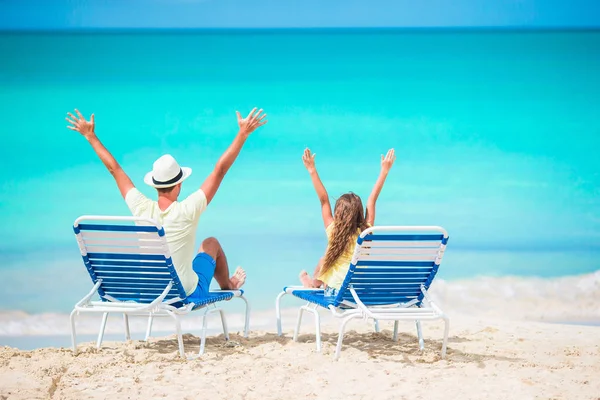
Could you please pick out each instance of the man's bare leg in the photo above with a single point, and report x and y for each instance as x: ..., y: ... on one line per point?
x: 212, y: 247
x: 313, y: 282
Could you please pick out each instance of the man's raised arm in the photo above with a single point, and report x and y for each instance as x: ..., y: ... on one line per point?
x: 86, y: 128
x: 247, y: 126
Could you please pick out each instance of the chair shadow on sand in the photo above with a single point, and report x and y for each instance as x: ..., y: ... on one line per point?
x: 379, y: 346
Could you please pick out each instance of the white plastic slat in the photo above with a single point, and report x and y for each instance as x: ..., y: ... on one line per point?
x: 397, y: 257
x: 127, y: 250
x: 134, y: 241
x: 395, y: 250
x: 112, y: 235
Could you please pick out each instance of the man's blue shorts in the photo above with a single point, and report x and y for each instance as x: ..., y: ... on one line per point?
x: 204, y: 266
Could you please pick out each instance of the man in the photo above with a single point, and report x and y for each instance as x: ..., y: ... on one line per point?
x: 179, y: 219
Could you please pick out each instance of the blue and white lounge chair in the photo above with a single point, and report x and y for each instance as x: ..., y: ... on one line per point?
x: 130, y: 265
x: 390, y: 273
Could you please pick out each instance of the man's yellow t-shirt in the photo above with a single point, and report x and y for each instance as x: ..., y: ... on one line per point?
x: 336, y: 275
x: 180, y: 221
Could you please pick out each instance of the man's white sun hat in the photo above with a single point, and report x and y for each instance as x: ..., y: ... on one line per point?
x: 166, y: 173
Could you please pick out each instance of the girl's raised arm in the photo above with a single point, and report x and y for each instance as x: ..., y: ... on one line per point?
x: 386, y: 164
x: 309, y: 162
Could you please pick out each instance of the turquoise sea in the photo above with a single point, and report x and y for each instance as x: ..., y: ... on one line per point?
x: 497, y: 135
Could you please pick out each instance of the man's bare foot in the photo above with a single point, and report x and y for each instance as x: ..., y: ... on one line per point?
x: 306, y: 280
x: 238, y: 278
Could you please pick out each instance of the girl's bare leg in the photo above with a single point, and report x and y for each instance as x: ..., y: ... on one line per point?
x: 313, y: 282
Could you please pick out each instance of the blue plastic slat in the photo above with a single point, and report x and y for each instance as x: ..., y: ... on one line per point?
x: 136, y: 282
x: 387, y: 289
x: 117, y: 280
x: 140, y: 298
x: 404, y: 237
x: 316, y: 297
x: 125, y: 256
x: 138, y: 289
x: 131, y: 269
x: 209, y: 299
x: 103, y: 274
x: 394, y: 281
x: 117, y: 228
x: 385, y: 302
x: 154, y: 292
x: 381, y: 263
x: 382, y: 295
x: 393, y: 270
x: 377, y: 280
x: 398, y: 276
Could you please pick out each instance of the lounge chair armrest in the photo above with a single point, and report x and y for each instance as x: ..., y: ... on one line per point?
x: 361, y: 305
x: 290, y: 289
x: 155, y: 304
x: 160, y: 298
x: 429, y: 300
x: 88, y: 296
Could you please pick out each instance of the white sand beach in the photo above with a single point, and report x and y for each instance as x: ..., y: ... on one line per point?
x: 496, y: 351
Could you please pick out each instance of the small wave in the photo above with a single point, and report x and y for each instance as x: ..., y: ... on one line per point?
x: 570, y: 298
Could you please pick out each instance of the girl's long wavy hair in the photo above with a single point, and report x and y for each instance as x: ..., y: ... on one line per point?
x: 348, y: 219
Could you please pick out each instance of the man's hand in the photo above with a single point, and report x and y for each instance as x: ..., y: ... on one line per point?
x: 308, y: 159
x: 86, y: 128
x: 79, y: 124
x: 388, y: 160
x: 251, y: 122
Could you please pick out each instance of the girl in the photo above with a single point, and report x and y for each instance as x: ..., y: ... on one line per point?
x: 342, y: 228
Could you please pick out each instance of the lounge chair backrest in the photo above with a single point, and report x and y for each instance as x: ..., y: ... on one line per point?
x: 390, y: 264
x: 130, y: 256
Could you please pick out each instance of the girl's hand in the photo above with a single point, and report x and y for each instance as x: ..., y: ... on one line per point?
x: 308, y: 159
x: 388, y: 160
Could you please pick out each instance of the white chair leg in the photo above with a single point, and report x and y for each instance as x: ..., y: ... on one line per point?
x: 395, y: 337
x: 203, y: 335
x: 102, y: 327
x: 446, y: 330
x: 278, y: 312
x: 313, y: 310
x: 224, y: 323
x: 179, y: 336
x: 149, y: 328
x: 420, y: 335
x: 247, y: 317
x: 127, y: 333
x: 376, y: 326
x: 178, y: 331
x: 338, y: 348
x: 298, y: 322
x: 73, y: 333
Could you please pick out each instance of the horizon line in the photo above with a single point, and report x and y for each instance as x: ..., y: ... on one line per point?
x: 341, y: 29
